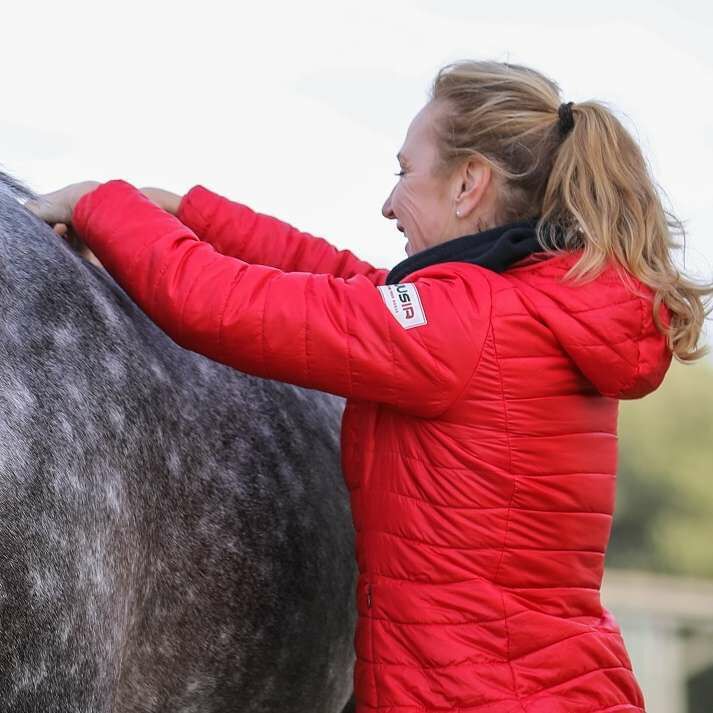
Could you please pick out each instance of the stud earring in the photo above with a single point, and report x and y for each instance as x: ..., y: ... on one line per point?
x: 457, y: 213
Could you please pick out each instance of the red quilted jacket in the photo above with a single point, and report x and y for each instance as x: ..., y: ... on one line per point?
x: 479, y: 437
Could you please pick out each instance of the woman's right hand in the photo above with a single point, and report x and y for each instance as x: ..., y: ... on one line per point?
x: 164, y: 199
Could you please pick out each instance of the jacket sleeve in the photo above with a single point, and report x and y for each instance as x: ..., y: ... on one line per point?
x: 234, y: 229
x: 313, y: 330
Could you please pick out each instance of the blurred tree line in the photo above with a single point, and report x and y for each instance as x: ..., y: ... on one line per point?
x: 664, y: 509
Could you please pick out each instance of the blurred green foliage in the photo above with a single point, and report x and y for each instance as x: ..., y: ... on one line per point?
x: 664, y: 510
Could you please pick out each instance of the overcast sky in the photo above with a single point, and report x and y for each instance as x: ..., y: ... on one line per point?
x: 298, y: 109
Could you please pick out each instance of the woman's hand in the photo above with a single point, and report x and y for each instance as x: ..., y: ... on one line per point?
x: 64, y: 231
x: 163, y: 199
x: 57, y: 207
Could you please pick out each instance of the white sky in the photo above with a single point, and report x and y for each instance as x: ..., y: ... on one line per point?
x: 298, y: 108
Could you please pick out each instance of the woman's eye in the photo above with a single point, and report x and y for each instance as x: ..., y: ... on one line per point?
x: 400, y: 173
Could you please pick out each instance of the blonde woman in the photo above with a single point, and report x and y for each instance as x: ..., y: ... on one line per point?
x: 482, y: 373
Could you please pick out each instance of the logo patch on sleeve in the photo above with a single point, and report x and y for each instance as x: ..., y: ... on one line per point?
x: 404, y: 303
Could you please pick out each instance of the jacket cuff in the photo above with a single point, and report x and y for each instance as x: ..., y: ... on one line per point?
x: 197, y: 208
x: 82, y: 213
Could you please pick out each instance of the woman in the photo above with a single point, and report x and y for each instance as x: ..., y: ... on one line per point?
x: 482, y: 375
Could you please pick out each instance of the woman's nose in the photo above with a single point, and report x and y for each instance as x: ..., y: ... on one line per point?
x: 386, y: 208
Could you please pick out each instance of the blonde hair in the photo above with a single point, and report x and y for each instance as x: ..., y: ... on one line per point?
x: 591, y: 186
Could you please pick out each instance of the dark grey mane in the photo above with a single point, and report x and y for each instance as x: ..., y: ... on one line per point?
x: 12, y: 187
x: 174, y: 534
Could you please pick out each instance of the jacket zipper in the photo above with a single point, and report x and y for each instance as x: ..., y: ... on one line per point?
x: 368, y: 595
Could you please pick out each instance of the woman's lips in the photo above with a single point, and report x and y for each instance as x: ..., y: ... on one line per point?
x: 400, y: 228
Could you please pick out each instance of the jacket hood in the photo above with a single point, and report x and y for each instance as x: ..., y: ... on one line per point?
x: 605, y: 325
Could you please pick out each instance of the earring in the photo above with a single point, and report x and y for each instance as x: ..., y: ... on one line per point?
x: 457, y: 213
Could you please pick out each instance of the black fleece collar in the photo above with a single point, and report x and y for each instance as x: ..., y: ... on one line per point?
x: 496, y: 249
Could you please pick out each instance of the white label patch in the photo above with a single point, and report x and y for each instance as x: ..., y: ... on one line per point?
x: 404, y: 303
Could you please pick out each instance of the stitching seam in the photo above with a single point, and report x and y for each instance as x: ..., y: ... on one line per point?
x: 477, y: 363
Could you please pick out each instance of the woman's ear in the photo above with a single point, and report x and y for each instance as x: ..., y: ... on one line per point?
x: 474, y: 179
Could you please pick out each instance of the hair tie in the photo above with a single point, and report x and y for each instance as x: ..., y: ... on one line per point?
x: 566, y: 122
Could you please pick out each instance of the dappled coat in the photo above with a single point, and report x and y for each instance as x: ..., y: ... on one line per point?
x: 479, y: 437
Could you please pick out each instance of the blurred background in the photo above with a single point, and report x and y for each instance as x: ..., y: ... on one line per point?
x: 299, y: 109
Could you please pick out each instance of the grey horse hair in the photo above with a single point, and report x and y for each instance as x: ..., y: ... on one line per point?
x: 13, y: 187
x: 175, y: 535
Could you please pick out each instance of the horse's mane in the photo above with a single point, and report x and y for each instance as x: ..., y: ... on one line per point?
x: 12, y: 187
x: 12, y: 192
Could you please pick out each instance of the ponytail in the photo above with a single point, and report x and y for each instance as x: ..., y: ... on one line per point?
x: 601, y: 193
x: 589, y: 184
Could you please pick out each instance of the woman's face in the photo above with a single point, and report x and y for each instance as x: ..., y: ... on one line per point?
x: 422, y: 205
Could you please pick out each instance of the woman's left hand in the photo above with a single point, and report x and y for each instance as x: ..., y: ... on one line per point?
x: 57, y: 207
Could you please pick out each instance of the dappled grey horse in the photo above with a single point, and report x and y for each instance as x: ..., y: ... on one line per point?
x: 174, y: 535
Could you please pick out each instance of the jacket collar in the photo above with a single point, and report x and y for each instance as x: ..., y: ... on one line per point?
x: 495, y: 249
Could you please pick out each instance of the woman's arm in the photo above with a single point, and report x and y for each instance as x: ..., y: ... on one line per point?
x: 348, y: 337
x: 235, y: 229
